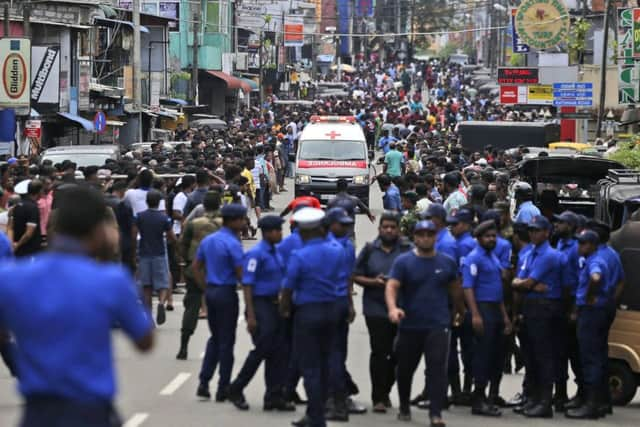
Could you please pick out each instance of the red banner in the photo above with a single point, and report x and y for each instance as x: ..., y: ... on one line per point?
x: 508, y: 95
x: 356, y: 164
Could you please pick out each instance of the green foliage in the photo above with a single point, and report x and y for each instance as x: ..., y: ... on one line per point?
x: 516, y: 60
x: 628, y: 154
x: 578, y: 40
x: 430, y: 16
x: 448, y: 49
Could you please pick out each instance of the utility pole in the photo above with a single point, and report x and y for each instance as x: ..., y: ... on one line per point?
x: 135, y: 62
x: 194, y: 63
x: 603, y: 70
x: 26, y: 18
x: 7, y: 20
x: 260, y: 70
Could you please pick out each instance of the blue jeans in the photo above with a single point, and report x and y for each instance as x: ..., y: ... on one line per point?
x: 222, y: 316
x: 270, y: 347
x: 315, y: 327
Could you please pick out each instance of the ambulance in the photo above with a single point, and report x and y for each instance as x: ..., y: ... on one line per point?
x: 332, y: 148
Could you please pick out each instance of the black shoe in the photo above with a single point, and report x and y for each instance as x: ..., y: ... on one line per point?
x: 237, y: 398
x: 528, y: 405
x: 355, y: 408
x: 302, y: 422
x: 404, y: 416
x: 485, y: 410
x: 588, y: 411
x: 419, y: 398
x: 387, y: 403
x: 559, y: 402
x: 161, y: 316
x: 182, y: 354
x: 605, y: 409
x: 461, y: 399
x: 221, y: 396
x: 203, y: 392
x: 279, y: 405
x: 336, y: 415
x: 541, y: 410
x: 169, y: 307
x: 296, y: 399
x: 574, y: 403
x: 352, y: 388
x: 497, y: 401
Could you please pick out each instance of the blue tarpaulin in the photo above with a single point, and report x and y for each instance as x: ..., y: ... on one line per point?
x: 84, y: 123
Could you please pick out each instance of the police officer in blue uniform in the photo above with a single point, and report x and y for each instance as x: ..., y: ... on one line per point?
x: 221, y: 255
x: 565, y: 230
x: 314, y: 274
x: 593, y: 298
x: 482, y: 276
x: 540, y: 280
x: 524, y: 202
x: 339, y: 222
x: 461, y: 222
x: 423, y: 279
x: 64, y: 352
x: 262, y: 276
x: 503, y: 247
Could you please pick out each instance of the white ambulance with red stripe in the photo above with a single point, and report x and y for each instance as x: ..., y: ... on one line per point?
x: 331, y: 148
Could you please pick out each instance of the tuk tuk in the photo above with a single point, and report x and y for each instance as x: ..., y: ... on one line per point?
x: 577, y: 146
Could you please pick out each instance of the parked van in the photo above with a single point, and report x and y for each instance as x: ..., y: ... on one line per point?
x: 331, y: 148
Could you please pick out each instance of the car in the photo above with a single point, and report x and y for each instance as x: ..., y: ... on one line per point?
x: 82, y: 155
x: 210, y: 123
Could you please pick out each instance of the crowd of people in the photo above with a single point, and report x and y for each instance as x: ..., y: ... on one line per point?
x: 465, y: 271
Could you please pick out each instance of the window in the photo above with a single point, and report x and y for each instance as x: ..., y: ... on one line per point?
x: 217, y: 16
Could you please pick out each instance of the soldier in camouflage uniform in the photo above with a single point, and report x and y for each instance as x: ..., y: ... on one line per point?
x: 409, y: 220
x: 192, y: 234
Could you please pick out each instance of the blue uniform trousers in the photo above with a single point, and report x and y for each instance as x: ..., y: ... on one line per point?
x: 51, y: 411
x: 464, y: 334
x: 410, y: 347
x: 269, y: 342
x: 593, y: 334
x: 292, y: 376
x: 569, y: 354
x: 315, y: 327
x: 488, y: 348
x: 222, y: 316
x: 338, y: 360
x: 543, y: 317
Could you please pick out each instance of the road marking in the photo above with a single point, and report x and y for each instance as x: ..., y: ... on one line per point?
x: 175, y: 384
x: 136, y: 420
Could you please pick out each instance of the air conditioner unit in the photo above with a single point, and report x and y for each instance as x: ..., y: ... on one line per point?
x: 242, y: 61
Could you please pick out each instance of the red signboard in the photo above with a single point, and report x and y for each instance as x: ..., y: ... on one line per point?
x: 508, y: 95
x: 33, y: 129
x: 356, y: 164
x: 527, y: 76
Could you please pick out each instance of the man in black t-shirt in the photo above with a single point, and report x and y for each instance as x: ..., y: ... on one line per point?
x: 26, y: 222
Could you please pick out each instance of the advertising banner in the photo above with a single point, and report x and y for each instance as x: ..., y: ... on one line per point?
x: 294, y: 31
x: 45, y: 78
x: 15, y: 60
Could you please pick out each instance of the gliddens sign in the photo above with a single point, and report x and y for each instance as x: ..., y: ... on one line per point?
x: 15, y: 59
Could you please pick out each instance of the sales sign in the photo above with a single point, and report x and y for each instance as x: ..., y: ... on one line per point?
x: 517, y: 75
x: 15, y: 60
x: 33, y: 129
x: 540, y: 95
x: 628, y: 90
x: 294, y: 32
x: 511, y: 95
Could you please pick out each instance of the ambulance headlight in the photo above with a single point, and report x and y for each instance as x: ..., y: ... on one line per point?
x: 303, y: 179
x: 361, y: 179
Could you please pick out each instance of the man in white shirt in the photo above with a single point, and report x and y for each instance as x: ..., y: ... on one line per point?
x: 187, y: 183
x: 137, y: 197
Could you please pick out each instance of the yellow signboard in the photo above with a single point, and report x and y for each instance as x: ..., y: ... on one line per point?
x: 542, y: 24
x: 540, y: 95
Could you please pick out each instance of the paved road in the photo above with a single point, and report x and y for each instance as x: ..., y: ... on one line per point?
x: 159, y: 391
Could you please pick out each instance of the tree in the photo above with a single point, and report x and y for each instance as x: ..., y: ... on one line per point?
x: 432, y: 16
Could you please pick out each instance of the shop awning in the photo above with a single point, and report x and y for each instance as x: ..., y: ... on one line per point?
x: 80, y: 121
x: 113, y: 23
x: 231, y: 81
x: 252, y: 84
x: 175, y: 101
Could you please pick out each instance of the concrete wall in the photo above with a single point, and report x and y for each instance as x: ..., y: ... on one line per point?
x: 591, y: 73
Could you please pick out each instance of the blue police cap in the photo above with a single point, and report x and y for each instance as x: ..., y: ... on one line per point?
x: 461, y: 215
x: 233, y: 210
x: 540, y: 222
x: 568, y: 217
x: 589, y: 236
x: 435, y: 210
x: 485, y: 226
x: 425, y: 225
x: 270, y: 222
x: 338, y: 215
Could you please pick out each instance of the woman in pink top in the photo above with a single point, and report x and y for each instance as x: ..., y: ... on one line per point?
x: 44, y: 205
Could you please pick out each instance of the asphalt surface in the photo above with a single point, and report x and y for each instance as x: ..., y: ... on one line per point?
x: 156, y: 390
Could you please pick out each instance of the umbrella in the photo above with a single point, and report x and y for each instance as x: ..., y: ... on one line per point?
x: 344, y: 67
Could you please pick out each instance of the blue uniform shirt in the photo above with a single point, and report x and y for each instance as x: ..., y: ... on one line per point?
x: 5, y: 247
x: 349, y: 265
x: 263, y: 269
x: 569, y: 248
x: 424, y: 294
x: 446, y: 244
x: 63, y: 335
x: 503, y: 252
x: 315, y: 271
x: 594, y: 264
x: 544, y: 264
x: 522, y: 255
x: 464, y: 245
x: 221, y: 253
x: 391, y: 200
x: 614, y: 265
x: 481, y: 271
x: 289, y: 244
x: 526, y: 212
